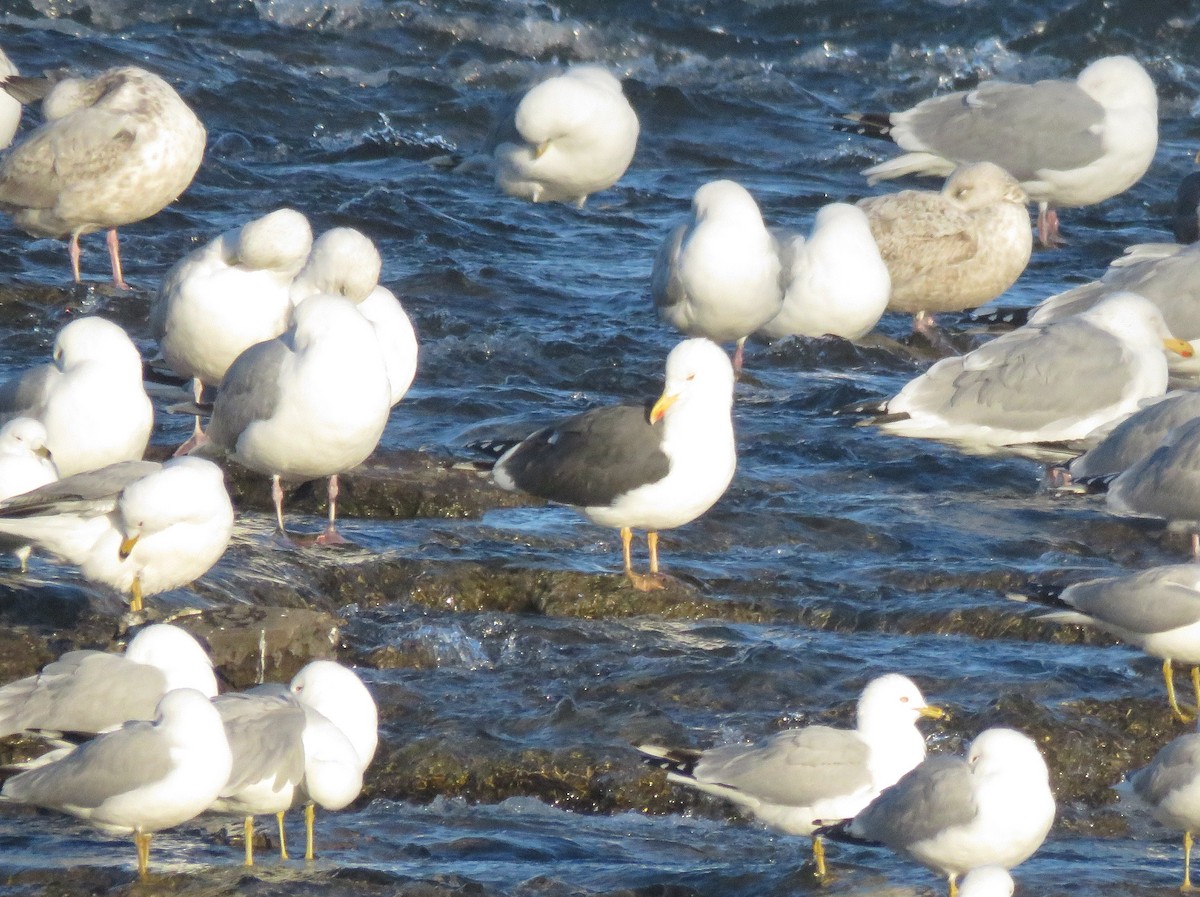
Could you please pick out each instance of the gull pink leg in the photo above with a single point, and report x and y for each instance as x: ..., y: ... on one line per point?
x: 114, y: 256
x: 331, y: 536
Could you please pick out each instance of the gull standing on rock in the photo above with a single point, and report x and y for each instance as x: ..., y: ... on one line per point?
x: 114, y: 149
x: 633, y: 466
x: 138, y: 527
x: 953, y: 249
x: 94, y: 691
x: 718, y: 273
x: 1069, y: 143
x: 835, y: 282
x: 140, y: 778
x: 800, y: 775
x: 90, y: 398
x: 310, y: 403
x: 1055, y: 382
x: 221, y: 299
x: 569, y: 136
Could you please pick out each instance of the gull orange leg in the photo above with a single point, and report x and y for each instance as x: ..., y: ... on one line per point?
x: 819, y: 855
x: 640, y: 581
x: 1187, y: 864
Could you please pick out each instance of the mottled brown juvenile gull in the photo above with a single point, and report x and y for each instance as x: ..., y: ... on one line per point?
x: 224, y: 297
x: 140, y: 778
x: 1157, y: 610
x: 93, y: 691
x: 138, y: 527
x: 310, y: 403
x: 1169, y: 787
x: 571, y: 135
x: 90, y: 397
x: 800, y: 775
x: 633, y: 467
x: 718, y: 273
x: 1069, y: 143
x: 114, y: 149
x: 835, y: 282
x: 953, y: 814
x: 1136, y: 437
x: 953, y: 249
x: 1056, y: 382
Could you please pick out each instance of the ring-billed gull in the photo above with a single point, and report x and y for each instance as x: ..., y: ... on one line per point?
x: 956, y: 248
x: 10, y: 106
x: 93, y: 691
x: 90, y: 397
x: 953, y: 814
x: 1042, y: 383
x: 224, y: 297
x: 344, y: 262
x: 794, y: 777
x: 114, y: 149
x: 987, y: 881
x: 1169, y: 787
x: 718, y: 273
x: 1136, y: 437
x: 633, y: 467
x: 1157, y: 610
x: 138, y: 527
x: 1069, y: 143
x: 310, y: 403
x: 571, y: 135
x: 835, y: 282
x: 25, y: 464
x: 140, y: 778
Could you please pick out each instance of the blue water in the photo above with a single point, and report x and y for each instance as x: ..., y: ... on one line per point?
x: 865, y: 554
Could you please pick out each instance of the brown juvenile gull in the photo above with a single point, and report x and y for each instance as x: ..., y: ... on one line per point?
x: 638, y: 467
x: 569, y: 136
x: 1055, y: 382
x: 1069, y: 143
x: 114, y: 149
x: 800, y: 775
x: 140, y: 778
x: 954, y: 249
x: 718, y: 273
x: 953, y: 814
x: 1157, y: 610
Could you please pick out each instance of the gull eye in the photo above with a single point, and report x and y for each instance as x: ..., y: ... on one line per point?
x: 904, y: 700
x: 691, y: 376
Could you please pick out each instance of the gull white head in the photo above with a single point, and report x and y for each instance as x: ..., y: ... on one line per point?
x: 185, y: 490
x: 891, y: 701
x: 1118, y: 82
x: 699, y: 377
x: 1007, y: 753
x: 279, y: 241
x: 730, y: 201
x: 24, y: 436
x: 339, y: 695
x: 343, y: 262
x: 1129, y: 316
x: 95, y: 339
x: 182, y: 660
x: 556, y: 107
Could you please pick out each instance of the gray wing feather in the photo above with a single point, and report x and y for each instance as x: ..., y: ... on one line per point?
x: 26, y: 393
x: 1149, y: 602
x: 86, y: 494
x: 264, y: 729
x: 666, y: 288
x: 1174, y: 767
x: 1166, y: 483
x: 249, y: 392
x: 926, y: 801
x: 1137, y: 436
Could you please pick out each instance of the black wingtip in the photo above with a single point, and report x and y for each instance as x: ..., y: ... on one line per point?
x: 1099, y: 483
x: 872, y: 407
x: 867, y: 124
x: 681, y: 761
x: 838, y: 830
x: 1010, y: 316
x: 1044, y: 593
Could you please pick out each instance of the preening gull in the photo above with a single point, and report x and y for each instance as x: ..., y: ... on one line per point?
x: 90, y: 397
x: 571, y: 135
x: 93, y: 691
x: 718, y: 273
x: 1069, y: 143
x: 140, y: 778
x: 1157, y: 610
x: 10, y: 106
x: 633, y: 467
x: 956, y: 248
x: 224, y: 297
x: 114, y: 149
x: 25, y: 464
x: 344, y: 262
x: 794, y: 777
x: 1136, y: 437
x: 138, y: 526
x: 310, y: 403
x: 953, y: 814
x: 1042, y: 383
x: 835, y: 282
x: 987, y: 881
x: 1166, y: 274
x: 1169, y: 787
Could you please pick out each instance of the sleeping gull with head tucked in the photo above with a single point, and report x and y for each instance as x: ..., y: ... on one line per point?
x: 952, y: 249
x: 138, y: 527
x: 93, y: 691
x: 25, y: 464
x: 633, y: 466
x: 1157, y: 610
x: 1041, y: 383
x: 835, y: 281
x: 954, y: 814
x: 800, y: 775
x: 571, y: 135
x: 114, y: 149
x: 140, y: 778
x: 1069, y: 143
x: 718, y: 273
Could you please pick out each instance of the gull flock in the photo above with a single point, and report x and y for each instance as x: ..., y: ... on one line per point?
x: 302, y: 354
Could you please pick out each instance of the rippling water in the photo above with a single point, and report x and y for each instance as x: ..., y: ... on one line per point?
x: 860, y: 554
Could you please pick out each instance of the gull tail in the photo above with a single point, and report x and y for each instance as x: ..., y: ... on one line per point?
x: 838, y: 830
x: 869, y: 124
x: 1043, y: 593
x: 677, y: 761
x: 1010, y: 316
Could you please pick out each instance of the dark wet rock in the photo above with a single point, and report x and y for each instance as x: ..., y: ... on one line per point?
x: 252, y: 644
